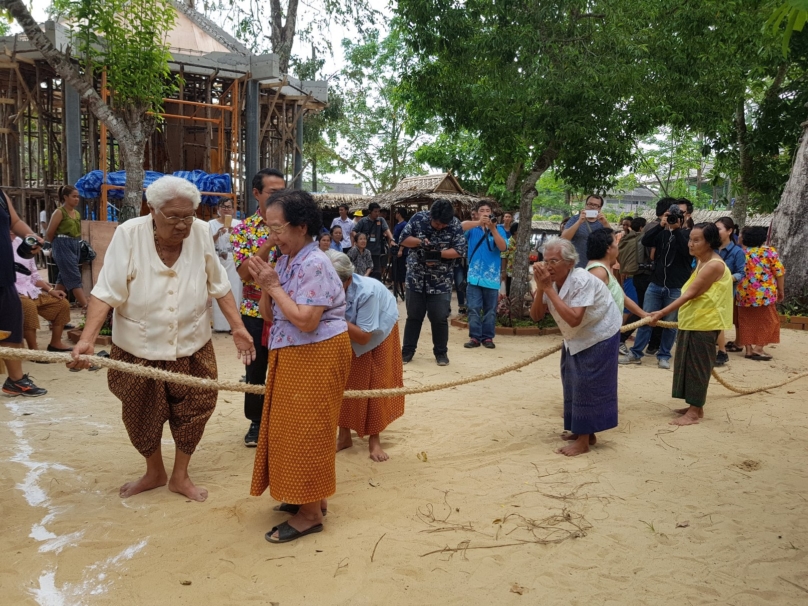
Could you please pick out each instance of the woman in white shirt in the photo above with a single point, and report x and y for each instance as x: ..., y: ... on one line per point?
x: 372, y: 316
x: 220, y: 229
x: 590, y: 322
x: 158, y: 273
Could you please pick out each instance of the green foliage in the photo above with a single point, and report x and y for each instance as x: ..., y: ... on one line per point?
x: 463, y: 155
x: 792, y: 15
x: 128, y: 39
x: 373, y: 131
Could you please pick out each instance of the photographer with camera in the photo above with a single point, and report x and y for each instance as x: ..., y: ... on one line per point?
x: 578, y: 229
x: 379, y: 237
x: 486, y: 243
x: 11, y: 319
x: 673, y: 265
x: 435, y: 237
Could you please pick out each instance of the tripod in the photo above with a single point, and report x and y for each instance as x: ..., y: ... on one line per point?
x: 391, y: 273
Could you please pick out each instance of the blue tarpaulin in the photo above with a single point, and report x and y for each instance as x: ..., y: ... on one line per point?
x: 89, y: 185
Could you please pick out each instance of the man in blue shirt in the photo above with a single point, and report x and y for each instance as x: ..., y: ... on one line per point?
x: 486, y: 242
x: 578, y: 228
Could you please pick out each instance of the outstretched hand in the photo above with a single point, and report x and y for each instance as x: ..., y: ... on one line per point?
x: 244, y: 345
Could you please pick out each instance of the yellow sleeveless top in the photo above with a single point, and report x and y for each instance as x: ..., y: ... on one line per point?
x: 711, y: 310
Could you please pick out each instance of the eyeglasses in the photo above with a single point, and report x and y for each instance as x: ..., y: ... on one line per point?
x: 176, y: 220
x: 553, y: 262
x: 278, y: 229
x: 593, y: 205
x: 226, y: 206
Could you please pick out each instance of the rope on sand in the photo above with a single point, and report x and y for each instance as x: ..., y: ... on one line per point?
x: 10, y: 353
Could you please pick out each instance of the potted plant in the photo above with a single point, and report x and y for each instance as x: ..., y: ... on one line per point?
x: 104, y: 336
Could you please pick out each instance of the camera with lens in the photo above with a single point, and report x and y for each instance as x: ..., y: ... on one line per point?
x: 26, y: 247
x: 675, y: 215
x: 429, y: 254
x: 646, y: 266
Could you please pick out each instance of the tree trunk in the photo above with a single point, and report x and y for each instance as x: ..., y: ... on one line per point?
x: 789, y: 228
x: 521, y: 269
x: 131, y: 127
x: 283, y: 34
x: 744, y: 167
x: 314, y: 173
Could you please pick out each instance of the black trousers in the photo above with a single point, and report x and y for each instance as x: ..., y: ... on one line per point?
x: 420, y: 305
x: 257, y: 370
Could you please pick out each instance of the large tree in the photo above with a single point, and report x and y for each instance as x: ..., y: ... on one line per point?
x: 538, y: 83
x: 127, y: 39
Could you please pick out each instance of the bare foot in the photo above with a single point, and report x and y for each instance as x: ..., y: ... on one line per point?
x: 682, y: 411
x: 375, y: 447
x: 593, y: 439
x: 344, y: 439
x: 691, y: 417
x: 147, y: 482
x: 579, y: 446
x: 189, y: 489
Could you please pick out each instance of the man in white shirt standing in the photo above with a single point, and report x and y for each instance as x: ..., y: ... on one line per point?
x: 347, y: 224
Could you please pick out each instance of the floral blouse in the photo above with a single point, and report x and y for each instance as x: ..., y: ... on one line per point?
x: 362, y: 261
x: 310, y: 279
x: 758, y: 287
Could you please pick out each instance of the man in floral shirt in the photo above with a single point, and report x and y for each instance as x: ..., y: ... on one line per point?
x: 251, y: 239
x: 436, y: 237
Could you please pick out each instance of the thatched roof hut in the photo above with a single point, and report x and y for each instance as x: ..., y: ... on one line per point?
x: 418, y: 193
x: 334, y: 200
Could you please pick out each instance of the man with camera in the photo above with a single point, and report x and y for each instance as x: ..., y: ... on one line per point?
x: 672, y: 268
x: 377, y: 231
x: 578, y: 228
x: 11, y: 319
x: 435, y: 237
x: 486, y: 241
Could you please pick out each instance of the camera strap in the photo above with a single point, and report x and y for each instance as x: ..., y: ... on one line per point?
x: 479, y: 243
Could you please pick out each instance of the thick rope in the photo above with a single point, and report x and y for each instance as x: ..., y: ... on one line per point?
x: 10, y: 353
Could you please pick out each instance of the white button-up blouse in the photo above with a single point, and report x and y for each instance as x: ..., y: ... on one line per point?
x: 160, y: 312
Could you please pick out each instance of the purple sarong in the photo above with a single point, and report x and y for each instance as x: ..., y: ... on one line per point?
x: 589, y: 379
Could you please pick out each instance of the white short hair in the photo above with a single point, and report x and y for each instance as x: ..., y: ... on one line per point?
x: 565, y: 247
x: 169, y: 187
x: 342, y: 264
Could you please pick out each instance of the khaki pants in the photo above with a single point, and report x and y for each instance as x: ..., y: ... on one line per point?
x: 49, y: 307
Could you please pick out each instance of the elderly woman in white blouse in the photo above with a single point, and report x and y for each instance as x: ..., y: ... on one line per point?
x: 158, y: 273
x: 589, y: 320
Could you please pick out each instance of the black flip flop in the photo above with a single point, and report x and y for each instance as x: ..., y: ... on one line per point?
x: 287, y: 533
x: 759, y: 358
x: 292, y: 509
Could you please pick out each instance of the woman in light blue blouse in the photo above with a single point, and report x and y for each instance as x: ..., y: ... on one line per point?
x: 372, y: 316
x: 735, y: 258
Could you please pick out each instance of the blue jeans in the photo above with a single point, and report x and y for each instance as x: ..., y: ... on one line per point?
x: 656, y: 298
x: 482, y: 303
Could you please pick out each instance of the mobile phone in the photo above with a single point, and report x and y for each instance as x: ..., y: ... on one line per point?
x: 591, y: 214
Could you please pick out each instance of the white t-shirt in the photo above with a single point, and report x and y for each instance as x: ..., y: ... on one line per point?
x: 601, y: 320
x: 43, y: 222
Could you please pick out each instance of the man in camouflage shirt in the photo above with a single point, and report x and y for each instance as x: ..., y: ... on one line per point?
x: 436, y: 237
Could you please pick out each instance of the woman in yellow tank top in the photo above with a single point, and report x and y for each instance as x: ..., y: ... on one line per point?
x: 705, y: 309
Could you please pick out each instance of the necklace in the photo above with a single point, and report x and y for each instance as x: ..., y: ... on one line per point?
x: 157, y: 245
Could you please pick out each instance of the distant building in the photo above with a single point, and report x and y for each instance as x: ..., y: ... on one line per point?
x: 635, y: 200
x: 324, y: 187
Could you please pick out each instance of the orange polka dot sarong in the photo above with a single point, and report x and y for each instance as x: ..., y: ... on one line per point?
x: 380, y: 368
x: 296, y: 450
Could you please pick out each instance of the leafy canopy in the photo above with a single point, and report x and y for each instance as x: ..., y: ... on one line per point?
x: 128, y: 39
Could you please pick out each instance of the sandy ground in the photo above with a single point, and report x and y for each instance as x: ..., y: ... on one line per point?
x: 710, y: 514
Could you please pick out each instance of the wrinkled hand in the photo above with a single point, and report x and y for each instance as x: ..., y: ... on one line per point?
x: 59, y: 294
x: 655, y: 317
x: 244, y: 345
x: 82, y: 348
x: 542, y: 275
x: 263, y: 273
